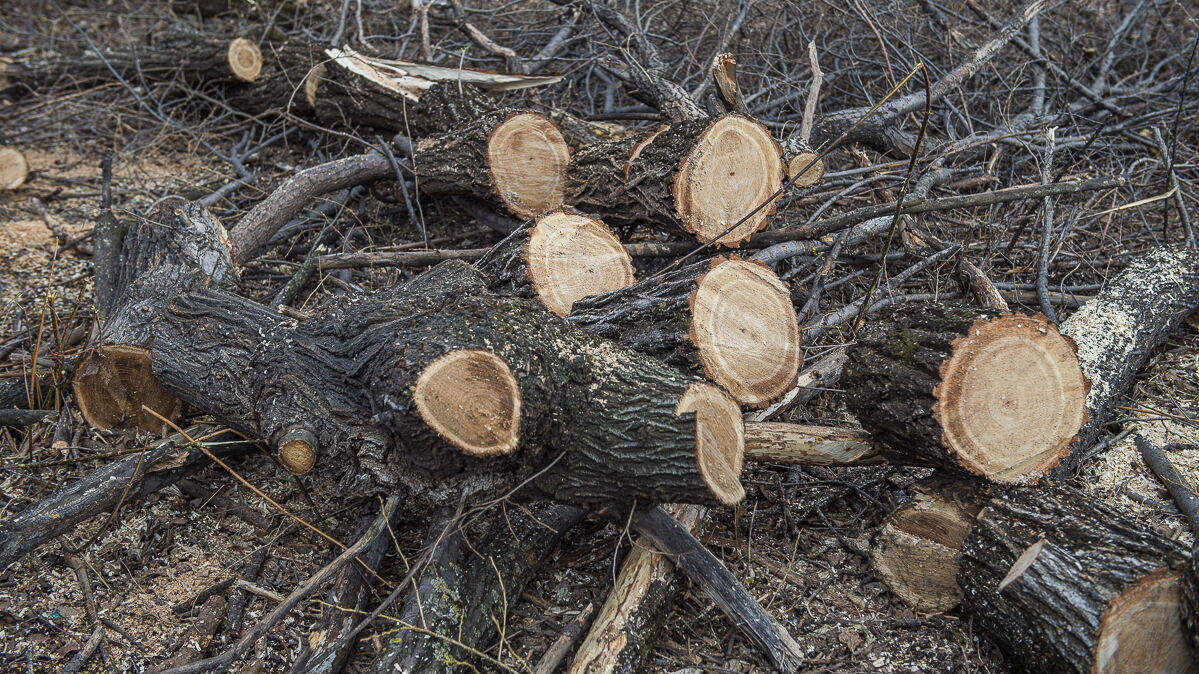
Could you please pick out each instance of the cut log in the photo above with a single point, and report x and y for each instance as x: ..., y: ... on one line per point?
x: 446, y: 387
x: 514, y: 160
x: 799, y: 445
x: 460, y: 603
x: 731, y: 316
x: 968, y: 389
x: 1064, y: 583
x: 179, y: 247
x: 697, y: 177
x: 918, y: 551
x: 561, y: 258
x: 14, y: 169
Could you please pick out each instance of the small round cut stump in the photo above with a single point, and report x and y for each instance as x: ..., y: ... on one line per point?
x: 13, y: 168
x: 245, y: 59
x: 812, y: 175
x: 528, y: 158
x: 1142, y: 630
x: 572, y: 256
x: 719, y: 439
x: 735, y: 167
x: 471, y: 398
x: 745, y: 329
x: 113, y: 382
x: 1011, y: 399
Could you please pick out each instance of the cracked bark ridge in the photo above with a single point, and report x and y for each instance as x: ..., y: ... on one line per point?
x: 598, y: 424
x: 1064, y: 583
x: 696, y: 177
x: 178, y: 248
x: 559, y: 259
x: 514, y: 160
x: 968, y: 389
x: 732, y: 317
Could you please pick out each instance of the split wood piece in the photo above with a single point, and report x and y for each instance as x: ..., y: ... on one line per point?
x: 179, y: 247
x: 731, y: 316
x: 329, y: 646
x: 918, y: 551
x: 696, y: 177
x: 1118, y: 331
x: 440, y: 384
x: 694, y: 560
x: 1061, y: 582
x: 194, y: 57
x: 799, y: 445
x: 969, y: 390
x: 628, y: 624
x: 514, y: 160
x: 460, y: 604
x: 561, y: 258
x: 124, y: 480
x: 14, y: 169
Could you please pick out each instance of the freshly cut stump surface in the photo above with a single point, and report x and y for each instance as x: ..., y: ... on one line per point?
x: 528, y: 159
x: 572, y: 256
x: 809, y: 177
x: 719, y: 439
x: 471, y: 398
x: 112, y: 382
x: 746, y: 331
x: 1142, y: 630
x: 245, y: 60
x: 1012, y: 397
x: 13, y: 168
x: 734, y: 167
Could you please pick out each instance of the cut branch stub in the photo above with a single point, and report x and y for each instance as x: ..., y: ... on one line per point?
x: 1012, y: 397
x: 745, y: 330
x: 968, y: 389
x: 471, y: 398
x: 112, y: 382
x: 13, y: 168
x: 297, y: 450
x: 812, y: 175
x: 244, y: 59
x: 719, y: 439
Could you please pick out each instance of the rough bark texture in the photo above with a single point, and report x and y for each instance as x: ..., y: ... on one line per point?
x: 598, y: 423
x: 467, y: 589
x: 1049, y: 618
x: 1190, y: 599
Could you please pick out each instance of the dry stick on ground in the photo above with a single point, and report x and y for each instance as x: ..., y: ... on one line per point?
x: 246, y: 642
x: 1064, y: 583
x: 460, y: 604
x: 551, y: 661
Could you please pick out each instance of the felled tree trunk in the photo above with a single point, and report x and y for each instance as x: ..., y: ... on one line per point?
x: 969, y: 390
x: 514, y: 160
x: 697, y: 177
x: 440, y: 384
x: 1063, y: 583
x: 559, y: 259
x: 732, y: 317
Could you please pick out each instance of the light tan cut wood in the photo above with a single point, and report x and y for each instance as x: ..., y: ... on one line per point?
x: 471, y: 398
x: 724, y: 74
x: 734, y: 167
x: 745, y: 329
x: 571, y: 256
x: 245, y: 59
x: 918, y: 551
x: 719, y: 439
x: 799, y: 445
x: 1142, y: 630
x: 1012, y: 398
x: 809, y: 177
x: 14, y: 169
x: 297, y: 451
x: 112, y: 382
x: 528, y: 158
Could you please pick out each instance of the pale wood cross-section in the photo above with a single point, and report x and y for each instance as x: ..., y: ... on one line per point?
x: 1142, y: 630
x: 719, y: 439
x: 13, y: 168
x: 245, y: 59
x: 809, y: 177
x: 571, y: 256
x: 528, y: 158
x: 471, y: 398
x: 112, y: 383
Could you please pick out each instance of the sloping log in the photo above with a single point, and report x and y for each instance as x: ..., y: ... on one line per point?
x: 695, y: 177
x: 1064, y: 583
x: 446, y: 387
x: 968, y: 389
x: 459, y: 605
x: 732, y: 317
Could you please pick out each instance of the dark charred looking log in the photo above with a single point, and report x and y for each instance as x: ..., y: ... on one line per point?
x: 1062, y: 583
x: 732, y: 317
x: 967, y: 389
x: 461, y: 598
x: 696, y: 177
x: 442, y: 385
